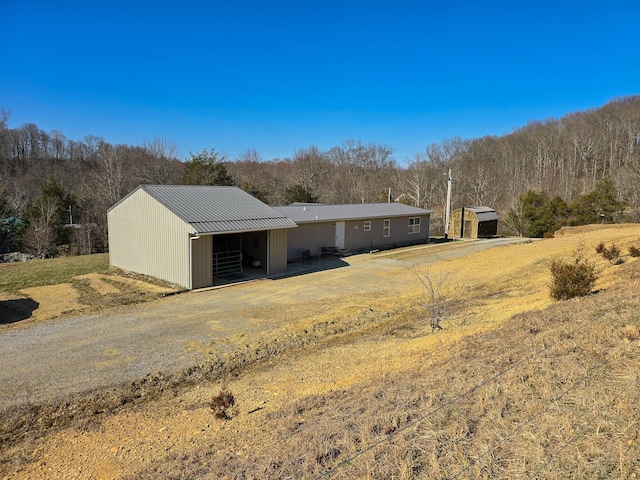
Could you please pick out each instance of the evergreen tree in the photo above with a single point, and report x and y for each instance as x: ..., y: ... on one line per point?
x: 599, y: 206
x: 536, y: 214
x: 48, y: 217
x: 299, y: 193
x: 206, y: 168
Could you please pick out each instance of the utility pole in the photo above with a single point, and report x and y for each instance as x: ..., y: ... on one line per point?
x: 447, y: 212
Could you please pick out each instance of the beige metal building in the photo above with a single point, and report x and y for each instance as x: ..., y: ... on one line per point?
x: 195, y: 235
x: 473, y: 222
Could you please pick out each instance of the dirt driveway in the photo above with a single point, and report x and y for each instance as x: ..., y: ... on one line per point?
x: 56, y: 359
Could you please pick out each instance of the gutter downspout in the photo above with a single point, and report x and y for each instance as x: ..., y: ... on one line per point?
x: 192, y: 237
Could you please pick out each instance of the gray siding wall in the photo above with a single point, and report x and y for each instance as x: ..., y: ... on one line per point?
x: 278, y: 250
x: 356, y: 238
x: 314, y: 236
x: 310, y: 236
x: 202, y: 262
x: 147, y: 238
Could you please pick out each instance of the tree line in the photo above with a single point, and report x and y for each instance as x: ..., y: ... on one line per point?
x: 55, y: 192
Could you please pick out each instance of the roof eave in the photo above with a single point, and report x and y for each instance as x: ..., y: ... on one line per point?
x: 243, y: 230
x: 367, y: 217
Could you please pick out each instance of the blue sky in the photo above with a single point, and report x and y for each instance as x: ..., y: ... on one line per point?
x: 279, y: 76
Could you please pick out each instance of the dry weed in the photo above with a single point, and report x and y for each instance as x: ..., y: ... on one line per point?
x: 551, y: 394
x: 223, y: 405
x: 630, y: 332
x: 554, y: 401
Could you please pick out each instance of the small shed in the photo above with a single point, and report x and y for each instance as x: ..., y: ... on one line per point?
x: 473, y: 222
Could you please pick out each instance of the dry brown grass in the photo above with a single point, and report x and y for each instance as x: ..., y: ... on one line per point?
x: 515, y: 386
x: 553, y: 394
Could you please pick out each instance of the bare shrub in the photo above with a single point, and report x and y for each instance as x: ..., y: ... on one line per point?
x: 485, y: 407
x: 438, y: 294
x: 630, y: 332
x: 612, y: 254
x: 600, y: 248
x: 634, y: 251
x: 222, y: 404
x: 574, y: 278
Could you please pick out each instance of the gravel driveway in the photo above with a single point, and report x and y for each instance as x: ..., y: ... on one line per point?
x: 72, y: 355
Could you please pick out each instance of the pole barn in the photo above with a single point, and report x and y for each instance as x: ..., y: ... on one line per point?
x: 194, y: 236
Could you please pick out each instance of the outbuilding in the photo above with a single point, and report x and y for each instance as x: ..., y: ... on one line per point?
x: 193, y: 236
x: 473, y: 222
x: 354, y: 227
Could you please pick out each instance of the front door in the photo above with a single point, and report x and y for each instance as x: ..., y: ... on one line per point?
x: 340, y: 235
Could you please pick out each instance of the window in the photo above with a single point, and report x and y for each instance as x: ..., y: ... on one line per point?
x: 367, y: 226
x: 414, y: 225
x: 386, y: 229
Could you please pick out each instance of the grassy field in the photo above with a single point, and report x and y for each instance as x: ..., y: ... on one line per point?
x: 39, y: 290
x: 37, y: 273
x: 514, y: 386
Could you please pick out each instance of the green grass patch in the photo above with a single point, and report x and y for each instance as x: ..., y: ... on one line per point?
x: 37, y: 273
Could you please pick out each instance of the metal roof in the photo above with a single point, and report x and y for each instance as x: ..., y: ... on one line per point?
x: 484, y: 214
x: 218, y: 209
x: 307, y: 213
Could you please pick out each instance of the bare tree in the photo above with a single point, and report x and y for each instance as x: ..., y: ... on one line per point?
x: 157, y: 162
x: 311, y: 171
x: 516, y: 222
x: 438, y: 291
x: 40, y: 236
x: 113, y: 178
x: 362, y: 171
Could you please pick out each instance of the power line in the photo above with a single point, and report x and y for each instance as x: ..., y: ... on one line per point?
x: 466, y: 393
x: 586, y: 424
x: 534, y: 416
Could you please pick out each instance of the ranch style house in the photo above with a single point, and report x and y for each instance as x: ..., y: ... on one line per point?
x: 200, y: 236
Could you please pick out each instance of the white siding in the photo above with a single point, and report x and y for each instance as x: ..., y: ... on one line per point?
x: 145, y: 237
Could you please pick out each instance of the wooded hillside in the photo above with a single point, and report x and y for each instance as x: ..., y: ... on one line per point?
x: 48, y: 182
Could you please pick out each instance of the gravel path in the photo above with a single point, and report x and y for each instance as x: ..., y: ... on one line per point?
x: 79, y: 354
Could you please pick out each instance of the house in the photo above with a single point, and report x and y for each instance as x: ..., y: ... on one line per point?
x: 194, y: 235
x: 355, y: 227
x: 199, y: 236
x: 473, y: 222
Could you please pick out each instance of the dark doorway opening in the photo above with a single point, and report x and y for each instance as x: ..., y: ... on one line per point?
x: 239, y: 256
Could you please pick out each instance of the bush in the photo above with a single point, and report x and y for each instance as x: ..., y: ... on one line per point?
x: 572, y: 279
x: 612, y: 254
x: 634, y: 251
x: 222, y: 403
x: 600, y: 248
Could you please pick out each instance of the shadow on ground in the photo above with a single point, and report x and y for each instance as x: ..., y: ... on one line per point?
x: 293, y: 269
x: 12, y: 311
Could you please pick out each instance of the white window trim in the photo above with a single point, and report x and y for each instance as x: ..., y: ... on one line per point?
x: 414, y: 225
x: 386, y: 228
x: 367, y: 226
